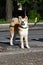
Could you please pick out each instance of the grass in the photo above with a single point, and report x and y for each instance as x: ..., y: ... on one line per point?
x: 32, y: 20
x: 3, y: 21
x: 41, y: 21
x: 6, y: 22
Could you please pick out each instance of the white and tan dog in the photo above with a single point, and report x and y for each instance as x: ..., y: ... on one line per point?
x: 20, y: 26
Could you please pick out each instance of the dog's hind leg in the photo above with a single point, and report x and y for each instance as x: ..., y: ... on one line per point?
x: 26, y: 40
x: 11, y: 35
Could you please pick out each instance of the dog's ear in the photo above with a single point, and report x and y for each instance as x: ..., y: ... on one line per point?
x: 26, y: 18
x: 20, y: 18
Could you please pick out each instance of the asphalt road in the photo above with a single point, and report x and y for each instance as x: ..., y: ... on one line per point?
x: 13, y: 55
x: 35, y: 36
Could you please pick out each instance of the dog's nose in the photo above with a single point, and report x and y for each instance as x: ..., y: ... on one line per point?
x: 22, y: 23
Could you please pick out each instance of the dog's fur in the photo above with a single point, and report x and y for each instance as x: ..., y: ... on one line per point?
x: 20, y: 26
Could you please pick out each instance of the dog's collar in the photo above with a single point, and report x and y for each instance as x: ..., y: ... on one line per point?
x: 19, y: 26
x: 24, y: 27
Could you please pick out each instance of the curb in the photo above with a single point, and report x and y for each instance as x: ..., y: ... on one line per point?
x: 28, y: 24
x: 4, y: 24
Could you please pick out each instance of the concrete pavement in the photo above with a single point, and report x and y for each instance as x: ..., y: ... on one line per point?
x: 17, y: 56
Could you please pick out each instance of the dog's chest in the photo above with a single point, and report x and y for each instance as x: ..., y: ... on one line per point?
x: 24, y: 32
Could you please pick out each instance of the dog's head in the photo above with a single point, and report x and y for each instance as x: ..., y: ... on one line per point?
x: 23, y: 21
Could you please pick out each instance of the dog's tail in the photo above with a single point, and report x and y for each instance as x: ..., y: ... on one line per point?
x: 14, y: 21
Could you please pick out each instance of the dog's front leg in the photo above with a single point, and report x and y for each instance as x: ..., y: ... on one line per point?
x: 26, y: 40
x: 21, y: 40
x: 11, y: 39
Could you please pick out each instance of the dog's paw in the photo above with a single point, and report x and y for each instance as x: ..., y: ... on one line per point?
x: 11, y: 44
x: 22, y: 47
x: 28, y: 47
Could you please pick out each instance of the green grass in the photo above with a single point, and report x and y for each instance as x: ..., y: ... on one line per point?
x: 32, y: 21
x: 3, y: 21
x: 41, y: 21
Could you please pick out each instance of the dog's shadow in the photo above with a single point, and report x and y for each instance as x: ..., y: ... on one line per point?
x: 40, y: 39
x: 16, y: 43
x: 7, y: 44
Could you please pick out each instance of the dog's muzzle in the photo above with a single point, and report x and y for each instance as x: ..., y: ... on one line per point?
x: 22, y: 23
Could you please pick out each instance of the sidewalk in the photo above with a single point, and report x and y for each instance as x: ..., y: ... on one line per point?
x: 9, y: 50
x: 33, y: 56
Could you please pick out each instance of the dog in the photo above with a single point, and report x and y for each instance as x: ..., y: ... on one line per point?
x: 19, y: 26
